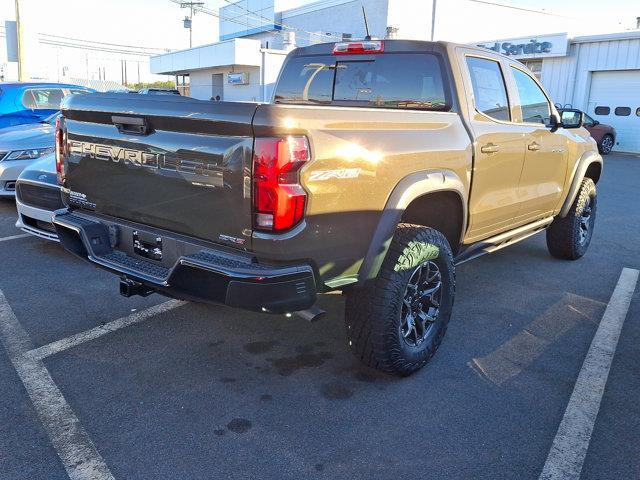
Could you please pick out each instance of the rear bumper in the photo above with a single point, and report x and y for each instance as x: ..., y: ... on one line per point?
x: 188, y: 270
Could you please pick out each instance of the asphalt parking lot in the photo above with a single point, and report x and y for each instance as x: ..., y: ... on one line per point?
x: 101, y: 387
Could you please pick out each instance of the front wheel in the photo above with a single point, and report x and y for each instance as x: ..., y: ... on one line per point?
x: 396, y: 324
x: 569, y: 237
x: 606, y: 144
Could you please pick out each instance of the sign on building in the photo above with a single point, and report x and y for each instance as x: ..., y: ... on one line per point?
x: 530, y: 47
x: 11, y: 29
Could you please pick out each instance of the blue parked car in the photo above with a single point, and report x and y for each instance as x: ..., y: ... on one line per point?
x: 22, y: 103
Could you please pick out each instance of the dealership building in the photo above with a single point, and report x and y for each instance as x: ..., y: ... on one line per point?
x: 599, y: 74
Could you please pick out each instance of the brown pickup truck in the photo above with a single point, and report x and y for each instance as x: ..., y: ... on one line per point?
x: 377, y: 167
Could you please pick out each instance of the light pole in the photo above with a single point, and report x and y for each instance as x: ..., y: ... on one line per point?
x: 22, y: 74
x: 188, y: 21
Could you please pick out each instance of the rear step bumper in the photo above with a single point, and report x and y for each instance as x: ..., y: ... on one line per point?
x: 208, y: 274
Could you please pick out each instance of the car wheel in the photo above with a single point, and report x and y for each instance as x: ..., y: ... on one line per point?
x: 397, y: 323
x: 569, y: 237
x: 606, y: 144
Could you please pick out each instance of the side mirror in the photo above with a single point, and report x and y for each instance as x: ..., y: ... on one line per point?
x: 596, y: 122
x: 572, y: 118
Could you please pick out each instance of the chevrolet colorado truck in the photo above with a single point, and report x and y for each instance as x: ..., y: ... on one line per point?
x: 377, y: 167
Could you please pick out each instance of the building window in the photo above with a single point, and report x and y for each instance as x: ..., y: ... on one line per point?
x: 600, y: 110
x: 622, y: 111
x: 638, y: 112
x: 535, y: 66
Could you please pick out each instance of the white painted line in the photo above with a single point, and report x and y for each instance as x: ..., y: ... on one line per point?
x: 97, y: 332
x: 15, y: 237
x: 79, y: 456
x: 570, y: 445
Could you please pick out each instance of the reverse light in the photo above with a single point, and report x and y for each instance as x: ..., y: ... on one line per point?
x: 59, y: 147
x: 354, y: 48
x: 278, y: 198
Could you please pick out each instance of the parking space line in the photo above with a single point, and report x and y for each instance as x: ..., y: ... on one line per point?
x: 97, y: 332
x: 15, y: 237
x: 77, y: 452
x: 571, y: 442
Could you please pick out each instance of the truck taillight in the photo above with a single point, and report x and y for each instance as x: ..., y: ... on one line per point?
x: 278, y: 198
x: 59, y: 141
x: 355, y: 48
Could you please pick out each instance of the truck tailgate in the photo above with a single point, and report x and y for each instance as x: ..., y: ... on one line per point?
x: 174, y: 163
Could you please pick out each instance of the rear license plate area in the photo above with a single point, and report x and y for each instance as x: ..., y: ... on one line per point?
x: 147, y: 245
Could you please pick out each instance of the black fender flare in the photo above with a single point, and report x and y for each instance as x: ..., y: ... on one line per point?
x: 579, y: 170
x: 412, y: 186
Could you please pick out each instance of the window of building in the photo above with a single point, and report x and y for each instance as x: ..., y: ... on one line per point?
x: 622, y: 111
x: 602, y: 110
x: 405, y: 81
x: 533, y: 102
x: 489, y: 88
x: 535, y: 66
x: 638, y: 112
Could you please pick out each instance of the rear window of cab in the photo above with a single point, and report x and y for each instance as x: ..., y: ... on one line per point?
x: 400, y: 81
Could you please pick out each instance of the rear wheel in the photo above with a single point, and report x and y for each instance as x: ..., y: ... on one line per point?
x: 606, y: 144
x: 396, y: 324
x: 569, y: 237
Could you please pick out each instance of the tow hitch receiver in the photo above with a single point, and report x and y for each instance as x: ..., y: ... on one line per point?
x: 129, y: 288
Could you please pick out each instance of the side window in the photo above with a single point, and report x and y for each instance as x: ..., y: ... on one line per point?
x: 533, y: 102
x: 78, y: 92
x: 588, y: 121
x: 42, y: 98
x: 601, y: 110
x: 28, y: 101
x: 622, y: 111
x: 488, y: 88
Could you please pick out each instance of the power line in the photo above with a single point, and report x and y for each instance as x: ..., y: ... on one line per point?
x: 513, y: 7
x: 95, y: 48
x: 102, y: 43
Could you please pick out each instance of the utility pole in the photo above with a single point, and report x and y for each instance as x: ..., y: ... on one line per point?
x: 433, y: 18
x: 22, y: 73
x: 188, y: 21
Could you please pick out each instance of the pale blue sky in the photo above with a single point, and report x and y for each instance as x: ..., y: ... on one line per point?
x: 157, y: 23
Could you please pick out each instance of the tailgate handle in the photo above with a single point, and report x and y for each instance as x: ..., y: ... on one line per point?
x: 132, y: 125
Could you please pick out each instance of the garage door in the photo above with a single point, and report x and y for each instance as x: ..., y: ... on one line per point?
x: 614, y: 99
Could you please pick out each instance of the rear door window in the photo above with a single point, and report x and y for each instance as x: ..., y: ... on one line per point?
x: 489, y: 89
x: 403, y: 81
x: 42, y: 98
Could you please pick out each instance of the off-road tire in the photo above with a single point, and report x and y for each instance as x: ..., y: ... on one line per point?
x: 373, y: 315
x: 564, y: 239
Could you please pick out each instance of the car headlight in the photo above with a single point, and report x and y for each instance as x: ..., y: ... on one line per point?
x: 30, y: 154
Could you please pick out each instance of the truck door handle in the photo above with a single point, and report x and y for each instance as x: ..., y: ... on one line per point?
x: 131, y: 125
x: 534, y: 147
x: 489, y: 148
